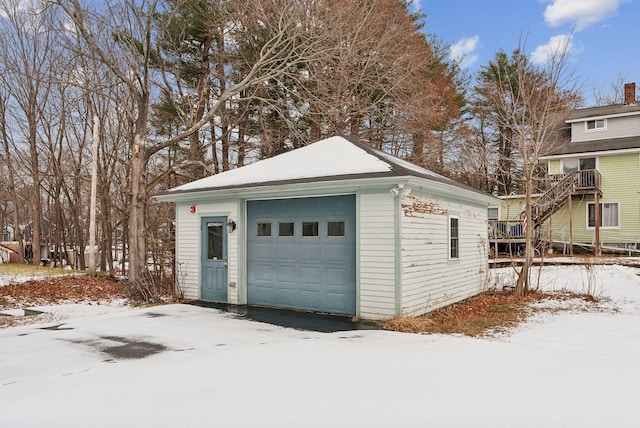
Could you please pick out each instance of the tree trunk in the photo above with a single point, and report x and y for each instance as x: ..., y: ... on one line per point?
x: 11, y: 185
x: 522, y: 286
x: 106, y: 244
x: 241, y: 144
x: 214, y: 148
x: 137, y: 241
x: 36, y: 202
x: 94, y: 197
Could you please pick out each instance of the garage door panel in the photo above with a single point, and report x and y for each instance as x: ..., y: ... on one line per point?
x: 336, y: 276
x: 262, y: 251
x: 285, y: 273
x: 310, y: 251
x: 312, y: 300
x: 290, y: 297
x: 335, y: 302
x: 336, y: 256
x: 262, y: 293
x: 262, y: 272
x: 286, y: 251
x: 310, y: 275
x: 307, y: 269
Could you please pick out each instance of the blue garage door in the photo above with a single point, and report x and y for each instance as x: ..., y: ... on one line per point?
x: 301, y: 254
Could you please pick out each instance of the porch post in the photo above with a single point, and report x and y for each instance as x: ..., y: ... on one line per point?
x: 570, y: 225
x: 597, y: 207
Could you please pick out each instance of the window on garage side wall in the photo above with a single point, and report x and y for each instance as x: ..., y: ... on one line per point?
x: 454, y: 237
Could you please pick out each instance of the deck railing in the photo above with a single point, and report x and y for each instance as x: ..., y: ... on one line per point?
x: 559, y: 188
x: 586, y: 179
x: 506, y: 229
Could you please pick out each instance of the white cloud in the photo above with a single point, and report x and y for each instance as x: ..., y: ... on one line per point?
x: 557, y: 45
x: 463, y: 51
x: 582, y: 13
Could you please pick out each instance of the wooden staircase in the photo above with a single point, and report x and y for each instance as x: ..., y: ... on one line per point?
x: 561, y: 187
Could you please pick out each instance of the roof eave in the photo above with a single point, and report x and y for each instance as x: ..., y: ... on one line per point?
x: 591, y: 153
x: 287, y: 188
x: 323, y: 187
x: 453, y: 192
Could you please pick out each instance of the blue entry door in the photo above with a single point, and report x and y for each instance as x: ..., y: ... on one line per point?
x: 214, y: 259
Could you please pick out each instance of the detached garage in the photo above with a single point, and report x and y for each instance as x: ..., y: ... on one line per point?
x: 334, y: 227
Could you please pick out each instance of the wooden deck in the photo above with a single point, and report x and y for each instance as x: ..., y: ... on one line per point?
x: 506, y: 230
x: 560, y: 187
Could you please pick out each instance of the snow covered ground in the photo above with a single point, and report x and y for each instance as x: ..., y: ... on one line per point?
x: 180, y: 365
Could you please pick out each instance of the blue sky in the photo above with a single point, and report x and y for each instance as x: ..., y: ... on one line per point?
x: 603, y: 35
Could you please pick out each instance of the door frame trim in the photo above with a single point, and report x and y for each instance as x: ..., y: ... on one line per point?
x: 201, y: 220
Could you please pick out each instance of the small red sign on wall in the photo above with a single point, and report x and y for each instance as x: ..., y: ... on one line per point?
x: 192, y: 209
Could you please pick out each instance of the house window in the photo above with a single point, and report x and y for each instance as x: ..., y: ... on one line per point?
x: 597, y: 124
x: 310, y: 228
x: 454, y: 238
x: 609, y: 214
x: 285, y: 229
x: 493, y: 213
x: 264, y: 229
x: 587, y: 163
x: 578, y: 164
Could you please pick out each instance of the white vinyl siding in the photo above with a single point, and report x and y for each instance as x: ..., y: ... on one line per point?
x: 188, y: 247
x: 430, y: 279
x: 425, y: 278
x: 616, y: 127
x: 377, y: 263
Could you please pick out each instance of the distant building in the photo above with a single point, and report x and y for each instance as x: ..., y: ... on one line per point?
x: 597, y: 164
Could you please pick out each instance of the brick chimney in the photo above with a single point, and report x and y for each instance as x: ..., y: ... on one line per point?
x: 630, y: 93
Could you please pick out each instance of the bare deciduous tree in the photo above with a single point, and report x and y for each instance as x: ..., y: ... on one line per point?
x: 26, y: 56
x: 529, y: 104
x: 132, y: 56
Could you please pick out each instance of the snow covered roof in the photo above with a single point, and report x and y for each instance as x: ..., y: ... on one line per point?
x: 331, y: 159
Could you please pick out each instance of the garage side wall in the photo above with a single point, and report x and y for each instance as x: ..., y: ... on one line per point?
x: 430, y: 277
x: 376, y: 254
x: 188, y: 246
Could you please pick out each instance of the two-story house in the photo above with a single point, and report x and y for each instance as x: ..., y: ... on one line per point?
x: 595, y: 164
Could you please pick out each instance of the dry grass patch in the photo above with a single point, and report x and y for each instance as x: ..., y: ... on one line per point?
x: 17, y: 269
x: 481, y: 315
x: 60, y: 289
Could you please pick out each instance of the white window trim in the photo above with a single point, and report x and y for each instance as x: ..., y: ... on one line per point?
x: 449, y: 237
x: 586, y: 127
x: 603, y: 227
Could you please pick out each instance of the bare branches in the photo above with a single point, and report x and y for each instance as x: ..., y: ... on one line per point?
x: 527, y: 106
